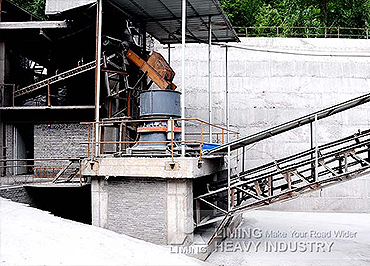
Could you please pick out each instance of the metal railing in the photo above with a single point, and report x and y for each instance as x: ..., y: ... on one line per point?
x: 303, y: 32
x: 289, y: 177
x: 40, y: 170
x: 197, y: 135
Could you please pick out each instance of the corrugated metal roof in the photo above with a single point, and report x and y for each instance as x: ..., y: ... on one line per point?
x: 163, y: 19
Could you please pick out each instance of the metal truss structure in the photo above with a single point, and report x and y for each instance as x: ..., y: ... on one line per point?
x: 59, y: 77
x: 290, y: 177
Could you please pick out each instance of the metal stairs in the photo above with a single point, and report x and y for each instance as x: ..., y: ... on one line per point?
x: 68, y: 173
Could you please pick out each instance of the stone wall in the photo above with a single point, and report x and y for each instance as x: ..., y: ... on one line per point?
x: 17, y: 194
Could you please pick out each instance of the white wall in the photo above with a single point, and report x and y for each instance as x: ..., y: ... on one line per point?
x: 268, y: 88
x: 58, y: 6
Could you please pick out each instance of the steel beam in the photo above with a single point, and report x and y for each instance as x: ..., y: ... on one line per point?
x: 33, y: 25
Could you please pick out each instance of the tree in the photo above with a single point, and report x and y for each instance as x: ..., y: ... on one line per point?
x: 298, y: 13
x: 242, y: 12
x: 347, y: 13
x: 290, y: 13
x: 36, y: 7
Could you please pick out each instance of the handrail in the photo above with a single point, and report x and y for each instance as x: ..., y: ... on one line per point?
x: 172, y: 143
x: 317, y: 32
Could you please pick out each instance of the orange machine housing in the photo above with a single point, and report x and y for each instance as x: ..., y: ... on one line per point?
x: 156, y: 68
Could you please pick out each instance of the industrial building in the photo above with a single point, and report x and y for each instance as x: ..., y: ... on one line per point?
x: 170, y: 143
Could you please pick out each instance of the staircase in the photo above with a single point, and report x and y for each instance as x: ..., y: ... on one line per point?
x: 67, y: 174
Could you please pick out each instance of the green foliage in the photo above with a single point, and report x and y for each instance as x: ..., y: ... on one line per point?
x: 298, y: 13
x: 241, y: 12
x: 287, y: 14
x: 348, y: 13
x: 36, y: 7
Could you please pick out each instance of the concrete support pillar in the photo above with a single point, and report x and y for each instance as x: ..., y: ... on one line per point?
x: 146, y: 198
x: 180, y: 225
x: 99, y: 202
x: 151, y: 209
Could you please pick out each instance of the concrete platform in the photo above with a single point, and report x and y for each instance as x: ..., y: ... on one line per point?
x: 150, y: 198
x: 56, y: 185
x: 152, y: 167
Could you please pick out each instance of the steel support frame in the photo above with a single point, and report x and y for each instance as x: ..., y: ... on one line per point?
x: 209, y: 85
x: 98, y: 59
x: 291, y: 177
x: 227, y: 122
x: 183, y: 90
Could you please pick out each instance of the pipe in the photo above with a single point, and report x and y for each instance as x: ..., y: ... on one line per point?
x: 169, y: 54
x: 183, y: 36
x: 227, y: 116
x: 99, y: 19
x: 227, y: 107
x: 209, y: 78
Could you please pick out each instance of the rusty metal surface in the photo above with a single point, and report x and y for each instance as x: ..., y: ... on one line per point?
x: 156, y: 68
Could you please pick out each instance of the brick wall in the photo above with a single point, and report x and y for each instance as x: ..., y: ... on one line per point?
x: 139, y: 199
x: 59, y: 141
x: 2, y: 145
x: 9, y: 146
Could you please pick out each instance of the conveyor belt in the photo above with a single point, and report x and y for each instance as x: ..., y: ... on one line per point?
x: 290, y: 177
x: 54, y: 79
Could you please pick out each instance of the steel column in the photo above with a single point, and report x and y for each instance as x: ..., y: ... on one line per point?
x: 169, y: 53
x: 183, y: 36
x: 99, y: 20
x: 243, y: 159
x: 209, y: 77
x: 316, y: 151
x: 312, y: 155
x: 227, y: 116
